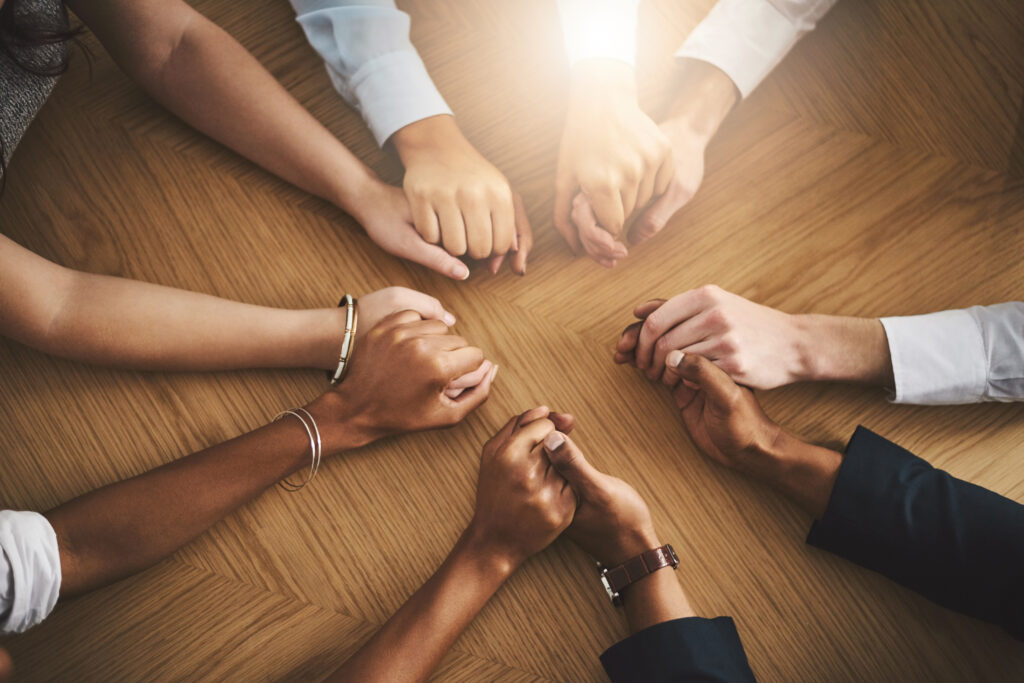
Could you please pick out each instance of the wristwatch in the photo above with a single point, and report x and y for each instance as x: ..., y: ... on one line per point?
x: 617, y: 579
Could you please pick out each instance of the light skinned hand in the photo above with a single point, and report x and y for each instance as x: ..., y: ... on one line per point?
x: 384, y: 213
x: 611, y: 152
x: 757, y: 345
x: 459, y: 199
x: 399, y: 376
x: 601, y: 246
x: 522, y: 504
x: 612, y: 522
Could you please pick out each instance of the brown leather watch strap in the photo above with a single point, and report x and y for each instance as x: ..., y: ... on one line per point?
x: 617, y: 579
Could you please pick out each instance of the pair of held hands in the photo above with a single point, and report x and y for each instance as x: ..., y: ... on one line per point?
x: 411, y: 373
x: 620, y: 177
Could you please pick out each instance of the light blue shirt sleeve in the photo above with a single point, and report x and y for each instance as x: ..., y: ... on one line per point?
x: 372, y: 64
x: 960, y: 356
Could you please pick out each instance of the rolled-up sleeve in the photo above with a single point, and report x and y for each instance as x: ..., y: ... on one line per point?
x: 29, y: 570
x: 959, y: 356
x: 372, y: 64
x: 748, y: 38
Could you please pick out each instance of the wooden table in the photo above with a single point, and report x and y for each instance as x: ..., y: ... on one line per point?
x: 877, y: 172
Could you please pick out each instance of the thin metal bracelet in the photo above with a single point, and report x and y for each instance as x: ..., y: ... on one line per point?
x: 284, y: 483
x: 319, y: 443
x: 348, y: 341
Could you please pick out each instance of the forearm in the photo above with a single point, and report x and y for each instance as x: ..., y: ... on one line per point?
x: 125, y: 527
x: 801, y: 471
x: 414, y: 640
x: 200, y: 73
x: 705, y: 95
x: 127, y: 323
x: 836, y: 348
x: 655, y: 599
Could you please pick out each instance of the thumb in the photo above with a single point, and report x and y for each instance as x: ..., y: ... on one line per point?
x: 720, y: 391
x: 658, y: 214
x: 435, y: 258
x: 568, y: 461
x: 563, y: 210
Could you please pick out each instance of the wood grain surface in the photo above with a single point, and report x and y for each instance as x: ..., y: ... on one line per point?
x: 879, y: 171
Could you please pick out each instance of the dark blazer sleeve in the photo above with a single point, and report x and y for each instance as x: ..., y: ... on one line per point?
x: 689, y: 649
x: 957, y: 544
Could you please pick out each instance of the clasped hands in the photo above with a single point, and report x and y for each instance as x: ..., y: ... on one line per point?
x: 620, y: 176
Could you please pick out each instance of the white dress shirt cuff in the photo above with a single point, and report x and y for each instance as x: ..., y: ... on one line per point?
x: 744, y: 38
x: 29, y: 570
x: 599, y: 29
x: 938, y: 358
x: 393, y: 91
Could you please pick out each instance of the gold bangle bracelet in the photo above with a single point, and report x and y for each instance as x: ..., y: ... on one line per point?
x: 348, y: 341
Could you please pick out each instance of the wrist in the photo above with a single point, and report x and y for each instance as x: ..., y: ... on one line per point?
x: 355, y: 194
x: 341, y: 426
x: 802, y: 471
x: 426, y: 137
x: 480, y: 548
x: 629, y: 543
x: 843, y: 349
x: 705, y: 97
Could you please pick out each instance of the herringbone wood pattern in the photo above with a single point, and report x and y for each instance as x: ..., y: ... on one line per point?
x: 878, y: 171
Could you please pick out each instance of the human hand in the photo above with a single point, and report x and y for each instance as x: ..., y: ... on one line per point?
x: 612, y: 522
x: 611, y: 151
x: 458, y: 198
x: 398, y: 381
x: 384, y: 213
x: 724, y: 419
x: 522, y: 504
x: 375, y: 306
x: 757, y: 345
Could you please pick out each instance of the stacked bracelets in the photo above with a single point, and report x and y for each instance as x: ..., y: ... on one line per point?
x: 351, y: 320
x: 315, y: 445
x: 302, y: 415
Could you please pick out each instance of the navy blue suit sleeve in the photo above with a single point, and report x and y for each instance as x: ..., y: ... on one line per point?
x: 957, y: 544
x: 689, y: 649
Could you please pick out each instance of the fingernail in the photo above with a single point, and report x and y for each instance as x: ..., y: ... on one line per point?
x: 674, y: 358
x: 494, y: 372
x: 554, y: 441
x: 448, y: 319
x: 460, y: 271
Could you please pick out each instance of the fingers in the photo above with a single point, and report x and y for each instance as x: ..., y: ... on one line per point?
x: 718, y: 388
x: 654, y: 218
x: 564, y: 422
x: 686, y: 333
x: 666, y: 173
x: 425, y: 220
x: 529, y: 435
x: 398, y: 318
x: 475, y: 397
x: 567, y: 459
x: 433, y: 257
x: 626, y: 346
x: 453, y: 228
x: 647, y: 307
x: 597, y: 242
x: 503, y: 221
x: 607, y: 205
x: 494, y: 264
x: 422, y: 328
x: 684, y: 396
x: 564, y: 190
x: 524, y: 236
x: 673, y: 312
x: 460, y: 361
x: 427, y: 306
x: 470, y: 379
x: 479, y: 238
